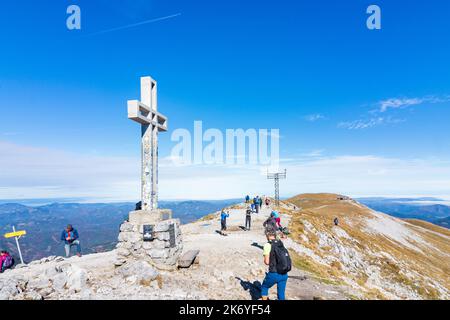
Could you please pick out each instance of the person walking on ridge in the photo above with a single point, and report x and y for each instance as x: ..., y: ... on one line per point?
x: 277, y: 258
x: 248, y: 218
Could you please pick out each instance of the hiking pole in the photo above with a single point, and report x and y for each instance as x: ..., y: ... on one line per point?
x: 18, y: 246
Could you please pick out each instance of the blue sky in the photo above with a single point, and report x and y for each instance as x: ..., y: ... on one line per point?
x: 362, y: 112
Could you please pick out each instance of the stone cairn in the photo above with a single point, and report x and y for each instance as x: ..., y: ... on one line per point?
x: 165, y: 246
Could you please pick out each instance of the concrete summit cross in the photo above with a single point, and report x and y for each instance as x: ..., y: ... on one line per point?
x: 149, y: 233
x: 152, y: 122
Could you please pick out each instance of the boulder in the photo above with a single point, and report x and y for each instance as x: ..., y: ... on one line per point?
x: 123, y: 252
x: 76, y: 278
x: 32, y: 295
x: 126, y: 227
x: 8, y: 289
x: 142, y: 270
x: 162, y: 226
x: 51, y: 272
x: 38, y: 283
x: 59, y: 281
x: 131, y: 237
x: 155, y: 244
x: 119, y: 261
x: 158, y: 253
x: 163, y: 236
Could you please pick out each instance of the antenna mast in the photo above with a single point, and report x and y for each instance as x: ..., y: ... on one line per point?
x: 276, y: 176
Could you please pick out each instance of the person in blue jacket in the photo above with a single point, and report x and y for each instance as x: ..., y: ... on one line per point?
x: 223, y: 220
x: 71, y: 238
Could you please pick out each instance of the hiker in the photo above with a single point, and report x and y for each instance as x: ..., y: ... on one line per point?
x: 336, y: 221
x: 277, y: 258
x: 248, y: 218
x: 267, y: 202
x: 70, y: 238
x: 138, y: 206
x: 6, y: 261
x: 260, y: 202
x: 247, y: 199
x: 252, y: 203
x: 276, y: 215
x: 223, y: 220
x: 256, y: 202
x: 270, y: 224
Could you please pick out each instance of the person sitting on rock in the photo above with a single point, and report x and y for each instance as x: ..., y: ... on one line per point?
x: 247, y: 199
x: 70, y: 238
x: 6, y: 261
x: 277, y: 258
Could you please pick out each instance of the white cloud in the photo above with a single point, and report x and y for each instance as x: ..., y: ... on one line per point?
x: 314, y: 153
x: 313, y: 117
x: 29, y: 172
x: 396, y: 103
x: 368, y: 123
x: 384, y: 106
x: 10, y: 133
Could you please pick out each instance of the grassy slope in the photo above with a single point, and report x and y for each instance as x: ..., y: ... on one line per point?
x: 420, y: 271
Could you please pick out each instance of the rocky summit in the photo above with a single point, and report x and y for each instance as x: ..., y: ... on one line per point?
x: 366, y: 255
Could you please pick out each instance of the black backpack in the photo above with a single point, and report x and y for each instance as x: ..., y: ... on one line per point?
x: 282, y: 258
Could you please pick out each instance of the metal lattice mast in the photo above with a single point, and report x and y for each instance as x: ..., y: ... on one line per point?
x: 276, y: 177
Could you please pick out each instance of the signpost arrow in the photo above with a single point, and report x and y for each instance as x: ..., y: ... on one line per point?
x: 15, y: 234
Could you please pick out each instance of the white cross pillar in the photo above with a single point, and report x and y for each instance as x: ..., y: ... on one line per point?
x: 146, y: 113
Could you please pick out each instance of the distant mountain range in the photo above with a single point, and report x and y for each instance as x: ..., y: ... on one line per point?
x: 432, y: 210
x: 98, y: 224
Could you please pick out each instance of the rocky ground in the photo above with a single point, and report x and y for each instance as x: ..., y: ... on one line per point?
x: 230, y: 267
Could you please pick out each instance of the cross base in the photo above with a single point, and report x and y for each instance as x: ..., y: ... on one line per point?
x: 162, y: 249
x: 141, y: 217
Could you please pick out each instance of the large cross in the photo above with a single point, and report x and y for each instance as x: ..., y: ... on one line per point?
x: 146, y: 113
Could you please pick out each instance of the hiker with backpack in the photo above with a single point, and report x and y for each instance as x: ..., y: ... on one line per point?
x: 277, y: 258
x: 6, y: 261
x: 271, y: 224
x: 248, y: 218
x: 276, y: 215
x: 71, y: 238
x: 247, y: 199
